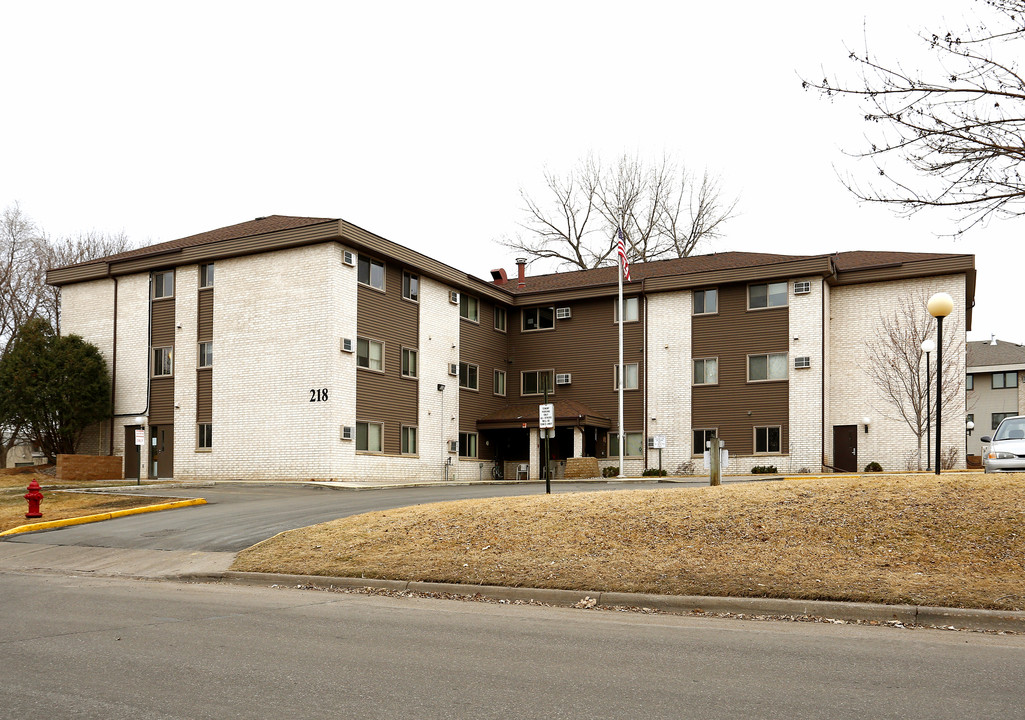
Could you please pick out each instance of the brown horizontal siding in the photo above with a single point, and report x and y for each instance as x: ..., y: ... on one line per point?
x: 731, y: 336
x: 162, y: 327
x: 900, y: 271
x: 206, y: 316
x: 204, y: 395
x: 483, y: 346
x: 161, y: 401
x: 587, y: 346
x: 388, y: 397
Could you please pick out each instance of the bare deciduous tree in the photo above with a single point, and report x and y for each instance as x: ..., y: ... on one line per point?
x: 26, y: 253
x: 896, y: 365
x: 663, y: 211
x: 957, y: 126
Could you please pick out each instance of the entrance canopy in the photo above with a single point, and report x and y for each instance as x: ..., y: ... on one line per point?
x: 568, y: 413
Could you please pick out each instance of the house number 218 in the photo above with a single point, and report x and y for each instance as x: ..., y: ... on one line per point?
x: 318, y: 395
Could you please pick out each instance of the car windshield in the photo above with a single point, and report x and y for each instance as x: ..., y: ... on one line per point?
x: 1011, y: 429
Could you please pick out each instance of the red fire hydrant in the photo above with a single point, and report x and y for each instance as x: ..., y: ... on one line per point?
x: 33, y: 496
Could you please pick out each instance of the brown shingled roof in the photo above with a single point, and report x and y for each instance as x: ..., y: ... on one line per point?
x: 865, y: 259
x: 259, y: 226
x: 981, y: 354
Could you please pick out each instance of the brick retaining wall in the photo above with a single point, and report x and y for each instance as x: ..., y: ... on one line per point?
x: 90, y: 467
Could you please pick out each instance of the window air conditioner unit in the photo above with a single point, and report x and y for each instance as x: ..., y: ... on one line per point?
x: 453, y: 369
x: 563, y: 378
x: 453, y: 446
x: 651, y: 443
x: 348, y: 432
x: 802, y: 287
x: 347, y: 345
x: 348, y: 257
x: 453, y: 297
x: 563, y: 313
x: 803, y: 361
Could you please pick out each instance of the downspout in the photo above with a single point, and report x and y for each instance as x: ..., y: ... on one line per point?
x: 822, y: 383
x: 149, y: 335
x: 644, y: 367
x: 113, y: 372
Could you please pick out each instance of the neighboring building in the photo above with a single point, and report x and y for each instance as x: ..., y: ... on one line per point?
x: 995, y: 371
x: 289, y: 347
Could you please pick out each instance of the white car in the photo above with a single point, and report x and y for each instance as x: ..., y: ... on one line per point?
x: 1006, y: 447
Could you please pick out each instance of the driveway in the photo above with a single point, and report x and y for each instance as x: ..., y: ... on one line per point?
x: 205, y: 538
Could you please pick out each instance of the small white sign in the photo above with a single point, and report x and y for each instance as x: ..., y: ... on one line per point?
x: 658, y: 442
x: 546, y: 416
x: 140, y: 436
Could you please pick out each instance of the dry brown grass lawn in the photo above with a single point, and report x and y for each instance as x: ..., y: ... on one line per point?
x: 61, y: 505
x: 957, y: 540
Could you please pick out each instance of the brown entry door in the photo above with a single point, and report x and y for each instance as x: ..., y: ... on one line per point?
x: 131, y: 453
x: 161, y: 451
x: 845, y: 447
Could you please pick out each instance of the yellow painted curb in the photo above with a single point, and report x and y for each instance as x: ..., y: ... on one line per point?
x: 102, y: 516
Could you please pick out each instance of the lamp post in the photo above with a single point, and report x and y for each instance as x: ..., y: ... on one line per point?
x: 940, y: 305
x: 968, y: 426
x: 927, y: 347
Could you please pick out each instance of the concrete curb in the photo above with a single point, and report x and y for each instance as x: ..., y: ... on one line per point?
x: 51, y: 524
x: 959, y: 618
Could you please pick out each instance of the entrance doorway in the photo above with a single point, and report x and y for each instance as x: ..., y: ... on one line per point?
x: 161, y: 445
x: 845, y: 447
x: 132, y: 464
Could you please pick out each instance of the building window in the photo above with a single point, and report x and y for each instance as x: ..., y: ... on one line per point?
x: 411, y: 286
x: 370, y: 354
x: 500, y: 382
x: 541, y: 318
x: 204, y: 436
x: 706, y: 371
x: 701, y: 438
x: 631, y: 309
x: 468, y: 376
x: 469, y: 308
x: 970, y: 418
x: 532, y: 382
x: 631, y: 377
x: 409, y: 363
x: 1005, y: 380
x: 206, y: 354
x: 408, y: 441
x: 206, y: 275
x: 163, y: 361
x: 634, y: 446
x: 467, y: 445
x: 998, y: 417
x: 163, y: 284
x: 500, y: 319
x: 370, y: 272
x: 763, y: 368
x: 969, y: 382
x: 706, y: 302
x: 766, y: 295
x: 767, y: 439
x: 368, y: 436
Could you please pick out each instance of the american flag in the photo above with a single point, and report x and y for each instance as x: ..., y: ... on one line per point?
x: 621, y: 250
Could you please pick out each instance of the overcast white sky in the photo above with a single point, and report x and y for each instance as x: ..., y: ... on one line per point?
x: 420, y: 121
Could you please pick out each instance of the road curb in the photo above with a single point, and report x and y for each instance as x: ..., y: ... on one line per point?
x: 959, y: 618
x: 51, y: 524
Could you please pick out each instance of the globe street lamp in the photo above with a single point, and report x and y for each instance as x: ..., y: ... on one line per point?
x: 940, y: 305
x: 927, y: 347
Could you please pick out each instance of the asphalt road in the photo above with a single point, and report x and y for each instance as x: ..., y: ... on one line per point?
x: 118, y: 648
x: 238, y: 516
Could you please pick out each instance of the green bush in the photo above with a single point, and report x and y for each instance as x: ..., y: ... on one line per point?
x: 764, y: 470
x: 611, y: 471
x: 873, y: 467
x: 653, y: 471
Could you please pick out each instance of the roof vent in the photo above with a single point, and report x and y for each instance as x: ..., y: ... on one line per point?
x: 263, y: 217
x: 499, y: 276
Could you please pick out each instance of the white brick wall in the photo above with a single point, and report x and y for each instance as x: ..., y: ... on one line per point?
x: 856, y: 313
x: 669, y: 370
x: 805, y: 385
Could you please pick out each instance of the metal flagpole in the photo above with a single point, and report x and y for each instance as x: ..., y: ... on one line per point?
x: 622, y: 370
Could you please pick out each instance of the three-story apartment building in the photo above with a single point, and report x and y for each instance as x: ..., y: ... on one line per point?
x: 290, y: 347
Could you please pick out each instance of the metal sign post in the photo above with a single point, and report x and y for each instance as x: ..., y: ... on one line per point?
x: 546, y: 421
